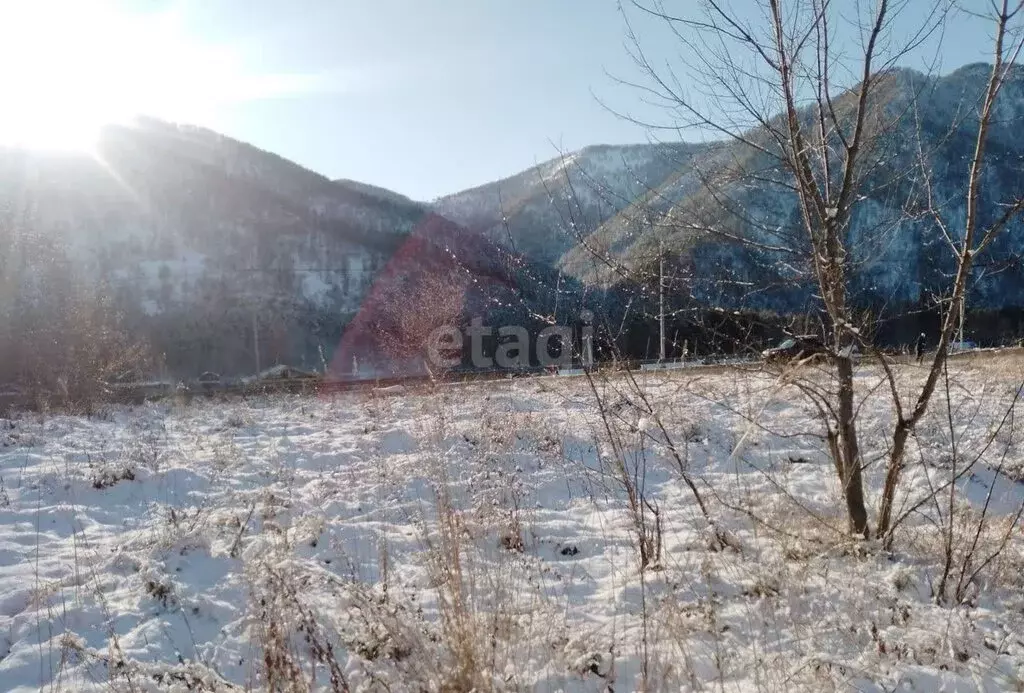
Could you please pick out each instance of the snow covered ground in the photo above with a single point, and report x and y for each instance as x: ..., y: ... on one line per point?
x: 488, y: 535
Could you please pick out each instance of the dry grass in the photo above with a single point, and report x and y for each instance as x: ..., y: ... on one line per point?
x: 463, y: 578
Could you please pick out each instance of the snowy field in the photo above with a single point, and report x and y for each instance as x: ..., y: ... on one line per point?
x: 489, y: 537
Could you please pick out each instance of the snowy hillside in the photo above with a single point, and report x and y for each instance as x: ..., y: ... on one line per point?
x: 206, y: 245
x: 896, y: 248
x: 546, y: 207
x: 375, y: 191
x: 219, y: 256
x: 481, y: 538
x: 622, y: 202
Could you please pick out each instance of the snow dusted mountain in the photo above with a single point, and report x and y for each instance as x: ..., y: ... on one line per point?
x: 898, y: 255
x: 624, y: 203
x: 375, y: 191
x: 219, y: 255
x: 224, y: 257
x: 182, y: 205
x: 543, y: 212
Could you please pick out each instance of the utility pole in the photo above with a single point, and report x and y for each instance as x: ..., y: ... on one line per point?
x: 661, y: 301
x: 558, y: 290
x: 256, y: 337
x: 256, y: 317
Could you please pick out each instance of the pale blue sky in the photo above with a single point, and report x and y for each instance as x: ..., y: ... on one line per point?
x: 428, y: 97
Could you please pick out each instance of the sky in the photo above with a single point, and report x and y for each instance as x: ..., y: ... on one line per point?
x: 424, y: 97
x: 429, y: 97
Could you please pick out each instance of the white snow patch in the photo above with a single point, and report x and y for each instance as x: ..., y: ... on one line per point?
x: 165, y: 543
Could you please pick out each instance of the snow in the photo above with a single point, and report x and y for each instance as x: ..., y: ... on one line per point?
x: 166, y: 546
x: 314, y: 288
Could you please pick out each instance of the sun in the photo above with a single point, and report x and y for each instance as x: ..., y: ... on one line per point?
x: 58, y: 75
x: 69, y: 67
x: 47, y: 114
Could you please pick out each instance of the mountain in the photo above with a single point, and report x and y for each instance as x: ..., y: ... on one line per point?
x: 544, y: 211
x: 217, y: 255
x: 713, y: 212
x: 374, y: 191
x: 898, y: 258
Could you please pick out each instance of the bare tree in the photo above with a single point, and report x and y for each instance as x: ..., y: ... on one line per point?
x: 799, y: 94
x: 64, y: 339
x: 407, y: 313
x: 966, y: 244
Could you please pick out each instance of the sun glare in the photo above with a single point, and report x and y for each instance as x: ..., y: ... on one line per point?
x: 67, y: 68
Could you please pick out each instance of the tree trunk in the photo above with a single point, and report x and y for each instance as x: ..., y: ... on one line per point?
x: 853, y: 484
x: 892, y: 478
